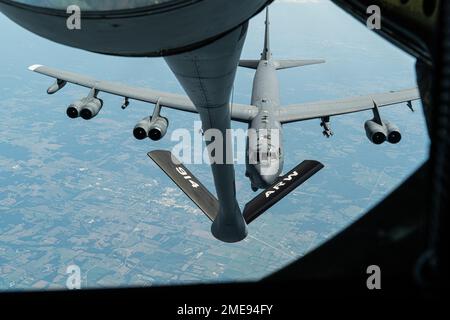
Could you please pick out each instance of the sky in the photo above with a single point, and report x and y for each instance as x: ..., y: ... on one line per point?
x: 85, y: 193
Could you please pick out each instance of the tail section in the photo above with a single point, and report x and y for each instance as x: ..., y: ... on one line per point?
x: 267, y: 54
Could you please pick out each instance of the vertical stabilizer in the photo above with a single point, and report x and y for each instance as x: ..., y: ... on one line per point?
x: 266, y: 54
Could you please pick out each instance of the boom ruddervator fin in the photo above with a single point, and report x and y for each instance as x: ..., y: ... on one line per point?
x: 280, y: 188
x: 209, y: 204
x: 187, y: 182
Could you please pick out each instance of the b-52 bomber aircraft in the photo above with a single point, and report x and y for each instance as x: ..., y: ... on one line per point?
x: 265, y: 112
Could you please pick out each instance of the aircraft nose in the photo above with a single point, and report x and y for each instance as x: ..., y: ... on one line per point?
x: 269, y: 173
x: 269, y: 178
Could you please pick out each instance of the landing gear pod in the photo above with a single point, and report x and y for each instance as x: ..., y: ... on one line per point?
x: 58, y: 85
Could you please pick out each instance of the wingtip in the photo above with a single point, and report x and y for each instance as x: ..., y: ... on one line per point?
x: 34, y: 67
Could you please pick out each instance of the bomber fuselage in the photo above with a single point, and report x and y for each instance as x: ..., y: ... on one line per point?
x: 264, y: 158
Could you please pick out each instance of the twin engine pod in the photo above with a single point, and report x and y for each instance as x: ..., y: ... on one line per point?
x: 379, y: 133
x: 86, y: 108
x: 154, y: 128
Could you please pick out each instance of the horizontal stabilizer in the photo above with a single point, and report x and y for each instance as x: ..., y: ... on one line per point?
x: 187, y: 182
x: 251, y: 64
x: 281, y: 188
x: 286, y: 64
x: 280, y: 64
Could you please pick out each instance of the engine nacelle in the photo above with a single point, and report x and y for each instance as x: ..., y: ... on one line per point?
x: 393, y: 133
x: 91, y: 108
x: 142, y: 128
x: 149, y: 128
x: 87, y: 108
x: 376, y: 133
x: 158, y: 128
x: 74, y: 109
